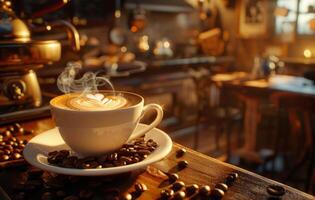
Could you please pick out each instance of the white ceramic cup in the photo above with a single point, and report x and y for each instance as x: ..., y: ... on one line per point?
x: 97, y: 132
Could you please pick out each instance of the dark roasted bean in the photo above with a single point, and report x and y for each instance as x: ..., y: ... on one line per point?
x: 140, y: 187
x: 179, y: 195
x: 7, y: 133
x: 8, y: 147
x: 204, y: 190
x: 127, y: 196
x: 47, y: 196
x: 60, y: 193
x: 4, y: 158
x: 20, y: 131
x: 235, y: 175
x: 7, y: 152
x: 34, y: 173
x: 71, y: 197
x: 180, y: 152
x: 102, y: 159
x: 229, y: 180
x: 222, y: 186
x: 217, y: 193
x: 16, y: 156
x: 178, y: 185
x: 182, y: 164
x: 192, y: 189
x: 275, y: 190
x: 28, y: 132
x: 166, y: 194
x: 86, y: 194
x: 1, y: 152
x: 173, y: 177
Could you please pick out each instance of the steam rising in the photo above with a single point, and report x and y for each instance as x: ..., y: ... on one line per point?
x: 89, y: 82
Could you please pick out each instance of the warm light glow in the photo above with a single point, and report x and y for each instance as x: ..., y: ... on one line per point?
x: 48, y: 28
x: 167, y: 44
x: 134, y: 29
x: 307, y: 53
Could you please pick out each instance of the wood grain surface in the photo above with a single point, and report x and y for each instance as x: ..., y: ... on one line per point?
x: 201, y: 170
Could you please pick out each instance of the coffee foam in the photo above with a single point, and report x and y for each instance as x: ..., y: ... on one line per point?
x: 94, y: 102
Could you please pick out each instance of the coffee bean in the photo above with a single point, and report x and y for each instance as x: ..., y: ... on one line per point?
x: 20, y: 131
x: 204, y: 190
x: 275, y: 190
x: 71, y: 197
x: 182, y: 164
x: 217, y: 193
x: 178, y: 185
x: 222, y: 186
x: 180, y: 152
x: 1, y: 152
x: 86, y: 194
x: 60, y: 193
x: 167, y: 194
x: 127, y: 196
x: 8, y: 147
x: 235, y: 175
x: 47, y: 196
x: 16, y: 156
x: 140, y: 187
x: 102, y: 159
x: 173, y: 177
x: 192, y: 189
x: 34, y: 173
x: 28, y: 132
x: 4, y: 158
x: 53, y: 153
x: 229, y: 180
x: 179, y: 195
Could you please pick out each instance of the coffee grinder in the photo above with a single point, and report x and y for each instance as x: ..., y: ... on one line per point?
x: 21, y: 55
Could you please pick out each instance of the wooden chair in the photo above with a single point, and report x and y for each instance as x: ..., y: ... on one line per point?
x: 301, y: 114
x: 217, y: 110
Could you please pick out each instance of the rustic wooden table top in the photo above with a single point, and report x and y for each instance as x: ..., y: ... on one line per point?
x: 202, y: 170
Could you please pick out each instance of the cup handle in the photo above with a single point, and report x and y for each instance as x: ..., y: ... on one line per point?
x: 156, y: 121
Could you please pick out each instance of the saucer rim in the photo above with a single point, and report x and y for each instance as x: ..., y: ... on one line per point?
x: 32, y: 155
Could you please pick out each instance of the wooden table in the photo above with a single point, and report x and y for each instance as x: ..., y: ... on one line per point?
x: 254, y: 91
x: 201, y: 170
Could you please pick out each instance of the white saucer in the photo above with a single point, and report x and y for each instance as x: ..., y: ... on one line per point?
x: 37, y: 149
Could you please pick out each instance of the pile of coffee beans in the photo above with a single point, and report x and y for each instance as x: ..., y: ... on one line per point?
x: 11, y: 148
x: 132, y: 152
x: 179, y: 190
x: 35, y: 183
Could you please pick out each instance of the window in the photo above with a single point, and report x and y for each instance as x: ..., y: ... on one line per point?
x: 306, y: 13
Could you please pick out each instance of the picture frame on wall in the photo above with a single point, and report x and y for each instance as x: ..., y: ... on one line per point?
x: 253, y: 18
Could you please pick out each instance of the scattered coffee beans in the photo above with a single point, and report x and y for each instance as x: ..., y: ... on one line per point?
x: 182, y: 164
x: 222, y: 186
x: 204, y: 190
x: 127, y: 196
x: 173, y: 177
x: 11, y: 148
x: 133, y: 152
x: 217, y: 194
x: 180, y: 152
x: 275, y: 190
x: 179, y: 195
x: 231, y: 178
x: 140, y: 187
x: 167, y: 194
x: 178, y: 185
x: 192, y: 189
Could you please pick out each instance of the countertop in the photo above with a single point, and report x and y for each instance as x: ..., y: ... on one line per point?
x: 201, y: 170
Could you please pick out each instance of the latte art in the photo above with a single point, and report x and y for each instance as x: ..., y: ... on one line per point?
x: 92, y: 102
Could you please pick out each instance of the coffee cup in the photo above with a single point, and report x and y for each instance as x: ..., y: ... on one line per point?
x: 93, y: 130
